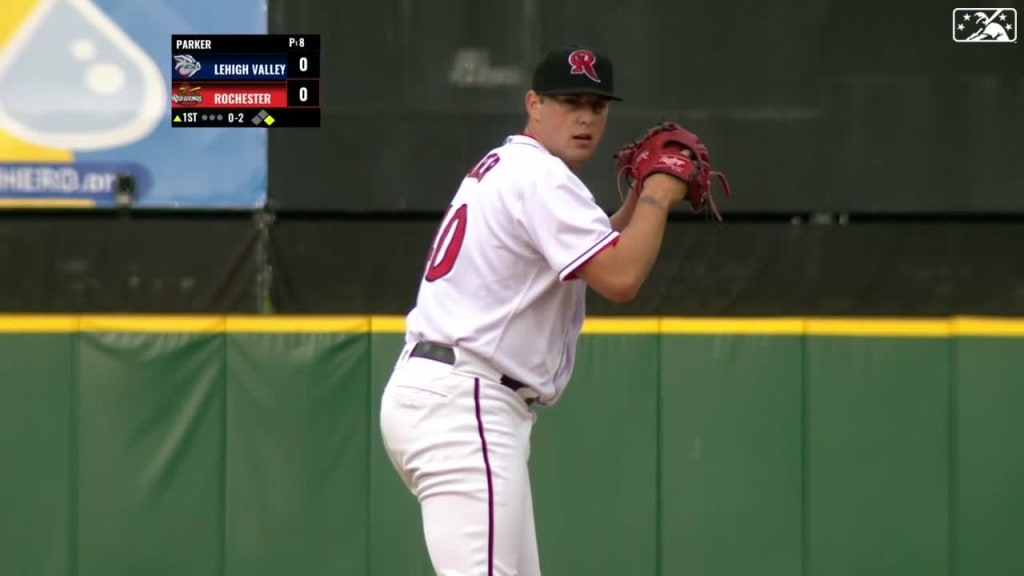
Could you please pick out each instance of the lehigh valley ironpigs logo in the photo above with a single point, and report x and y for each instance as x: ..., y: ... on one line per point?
x: 186, y: 66
x: 985, y: 25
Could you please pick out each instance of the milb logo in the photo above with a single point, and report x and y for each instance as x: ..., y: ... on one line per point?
x: 985, y: 25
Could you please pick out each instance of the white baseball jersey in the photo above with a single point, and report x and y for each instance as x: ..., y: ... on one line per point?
x: 500, y: 277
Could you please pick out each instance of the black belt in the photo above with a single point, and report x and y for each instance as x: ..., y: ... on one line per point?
x: 446, y: 354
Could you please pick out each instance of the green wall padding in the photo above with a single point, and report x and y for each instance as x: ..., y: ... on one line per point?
x: 256, y: 454
x: 298, y: 438
x: 989, y: 444
x: 38, y: 499
x: 877, y: 456
x: 594, y: 462
x: 151, y: 443
x: 731, y: 412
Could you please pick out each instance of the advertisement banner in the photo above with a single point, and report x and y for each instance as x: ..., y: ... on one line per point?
x: 85, y: 103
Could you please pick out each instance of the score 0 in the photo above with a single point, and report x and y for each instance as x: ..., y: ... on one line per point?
x: 302, y: 63
x: 303, y: 92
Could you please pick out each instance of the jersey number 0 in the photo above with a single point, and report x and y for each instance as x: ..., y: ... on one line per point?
x: 452, y: 232
x: 447, y: 244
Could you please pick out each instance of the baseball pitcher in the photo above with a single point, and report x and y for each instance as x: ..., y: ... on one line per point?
x: 500, y: 306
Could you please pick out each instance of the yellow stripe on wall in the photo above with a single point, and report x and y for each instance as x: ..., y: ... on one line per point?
x: 895, y: 327
x: 732, y: 326
x: 968, y: 326
x: 298, y: 324
x: 387, y: 324
x: 51, y: 324
x: 634, y: 325
x: 152, y: 323
x: 852, y: 327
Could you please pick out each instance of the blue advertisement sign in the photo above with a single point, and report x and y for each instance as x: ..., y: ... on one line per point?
x: 85, y: 90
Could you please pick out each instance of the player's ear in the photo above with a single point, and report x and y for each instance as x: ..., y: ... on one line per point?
x: 533, y: 101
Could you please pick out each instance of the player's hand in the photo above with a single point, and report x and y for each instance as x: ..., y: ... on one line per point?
x: 663, y: 189
x: 664, y: 186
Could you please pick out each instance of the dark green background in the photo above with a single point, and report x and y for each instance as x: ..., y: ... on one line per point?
x: 729, y: 455
x: 862, y: 106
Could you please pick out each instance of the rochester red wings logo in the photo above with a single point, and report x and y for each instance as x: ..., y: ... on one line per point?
x: 187, y: 95
x: 582, y: 62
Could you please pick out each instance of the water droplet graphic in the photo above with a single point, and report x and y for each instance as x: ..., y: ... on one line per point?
x: 83, y: 50
x: 105, y: 79
x: 71, y: 78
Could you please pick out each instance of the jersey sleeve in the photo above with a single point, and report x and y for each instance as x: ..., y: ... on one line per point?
x: 565, y: 224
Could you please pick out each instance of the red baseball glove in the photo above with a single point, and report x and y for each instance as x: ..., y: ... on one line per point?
x: 661, y: 149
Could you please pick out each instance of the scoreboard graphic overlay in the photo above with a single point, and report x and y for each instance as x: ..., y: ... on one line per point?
x: 245, y: 81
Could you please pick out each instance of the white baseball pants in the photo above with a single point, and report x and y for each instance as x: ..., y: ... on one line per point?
x: 461, y: 441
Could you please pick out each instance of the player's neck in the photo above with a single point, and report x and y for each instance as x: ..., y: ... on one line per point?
x: 529, y: 132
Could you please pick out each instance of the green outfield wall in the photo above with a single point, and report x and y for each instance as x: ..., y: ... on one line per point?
x: 238, y: 446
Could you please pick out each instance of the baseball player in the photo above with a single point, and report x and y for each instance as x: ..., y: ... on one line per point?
x: 493, y: 331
